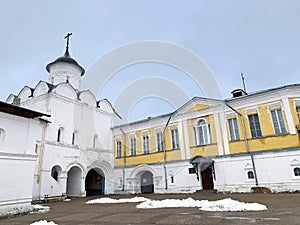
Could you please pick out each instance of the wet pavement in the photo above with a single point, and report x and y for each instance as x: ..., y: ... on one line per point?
x: 282, y: 209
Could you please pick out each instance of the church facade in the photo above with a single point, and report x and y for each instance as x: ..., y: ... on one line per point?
x: 75, y: 152
x: 249, y: 140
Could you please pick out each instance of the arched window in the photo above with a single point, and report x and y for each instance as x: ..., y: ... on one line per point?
x: 202, y: 133
x: 297, y: 171
x: 250, y: 175
x: 75, y: 138
x: 2, y: 134
x: 95, y: 141
x: 60, y: 134
x: 54, y: 172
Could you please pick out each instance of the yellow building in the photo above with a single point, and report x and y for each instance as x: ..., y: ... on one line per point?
x: 228, y: 145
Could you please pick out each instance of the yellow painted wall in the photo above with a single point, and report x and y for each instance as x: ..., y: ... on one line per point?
x: 268, y: 140
x: 153, y: 156
x: 207, y: 150
x: 198, y: 107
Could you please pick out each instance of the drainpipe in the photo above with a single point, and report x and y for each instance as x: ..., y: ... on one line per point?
x: 124, y: 163
x: 165, y: 154
x: 246, y: 141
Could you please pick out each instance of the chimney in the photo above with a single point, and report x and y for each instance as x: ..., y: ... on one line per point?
x: 238, y: 93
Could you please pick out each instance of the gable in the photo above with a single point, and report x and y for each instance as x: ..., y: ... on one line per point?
x: 199, y: 103
x: 197, y: 107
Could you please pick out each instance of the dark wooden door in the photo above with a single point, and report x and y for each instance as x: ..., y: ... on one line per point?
x: 147, y: 183
x: 207, y: 179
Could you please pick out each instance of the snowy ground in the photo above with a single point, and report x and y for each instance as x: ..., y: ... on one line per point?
x: 111, y: 200
x: 40, y: 209
x: 226, y: 204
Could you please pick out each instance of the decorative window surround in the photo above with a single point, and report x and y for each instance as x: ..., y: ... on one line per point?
x: 202, y: 134
x: 132, y: 142
x: 275, y: 105
x: 251, y: 111
x: 278, y: 122
x: 233, y: 129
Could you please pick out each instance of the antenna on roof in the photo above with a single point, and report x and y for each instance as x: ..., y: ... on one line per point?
x: 243, y: 80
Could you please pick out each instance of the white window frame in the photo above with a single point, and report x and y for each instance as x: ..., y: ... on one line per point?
x: 234, y: 132
x: 159, y: 141
x: 297, y: 108
x: 132, y: 141
x: 118, y: 149
x: 249, y: 168
x: 278, y: 122
x: 256, y: 136
x: 145, y: 142
x: 202, y: 131
x: 295, y: 163
x: 174, y: 138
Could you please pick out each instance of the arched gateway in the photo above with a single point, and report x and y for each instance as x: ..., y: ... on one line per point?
x: 95, y: 182
x: 74, y: 182
x: 147, y: 185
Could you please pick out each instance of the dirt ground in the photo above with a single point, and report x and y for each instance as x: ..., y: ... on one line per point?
x: 283, y: 209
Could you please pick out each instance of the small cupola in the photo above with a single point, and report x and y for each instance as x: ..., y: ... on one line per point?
x: 238, y: 93
x: 65, y: 69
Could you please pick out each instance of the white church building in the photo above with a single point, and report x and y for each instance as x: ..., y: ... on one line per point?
x: 74, y: 151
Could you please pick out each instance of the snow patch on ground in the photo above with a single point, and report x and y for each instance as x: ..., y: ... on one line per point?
x: 40, y: 209
x: 111, y: 200
x: 226, y: 204
x: 43, y: 222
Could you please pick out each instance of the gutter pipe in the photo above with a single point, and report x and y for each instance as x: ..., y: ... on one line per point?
x: 246, y: 141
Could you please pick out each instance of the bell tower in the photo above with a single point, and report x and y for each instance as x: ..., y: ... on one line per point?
x: 65, y: 69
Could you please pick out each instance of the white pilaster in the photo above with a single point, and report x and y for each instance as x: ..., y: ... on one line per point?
x: 218, y: 134
x: 224, y: 132
x: 186, y: 140
x: 289, y: 117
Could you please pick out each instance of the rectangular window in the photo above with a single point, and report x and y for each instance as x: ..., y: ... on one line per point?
x: 174, y: 139
x: 278, y: 121
x: 172, y: 179
x: 119, y: 144
x: 145, y: 144
x: 159, y: 142
x: 254, y: 125
x: 132, y: 146
x: 298, y: 112
x: 233, y: 129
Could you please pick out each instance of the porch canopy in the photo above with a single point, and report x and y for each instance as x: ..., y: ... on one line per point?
x: 201, y: 161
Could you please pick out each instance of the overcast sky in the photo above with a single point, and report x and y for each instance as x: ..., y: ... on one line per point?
x: 261, y: 38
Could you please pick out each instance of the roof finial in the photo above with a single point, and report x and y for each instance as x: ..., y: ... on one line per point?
x: 67, y: 47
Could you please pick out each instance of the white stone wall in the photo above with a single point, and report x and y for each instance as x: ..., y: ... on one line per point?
x: 183, y: 181
x: 17, y: 161
x: 275, y: 170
